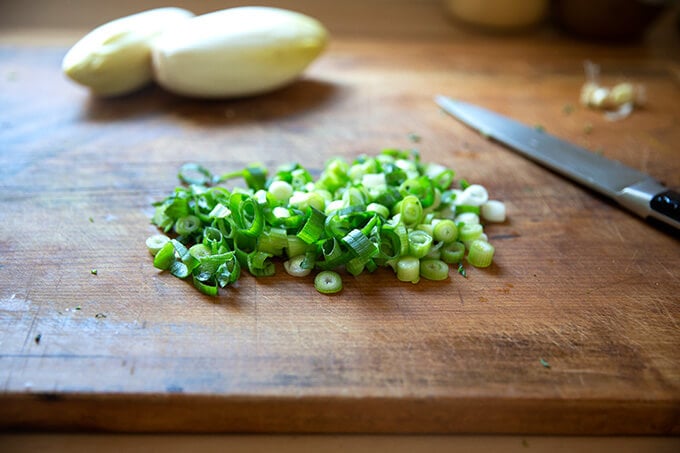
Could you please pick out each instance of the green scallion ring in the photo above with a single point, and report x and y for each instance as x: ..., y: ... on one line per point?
x: 445, y: 231
x: 419, y: 243
x: 156, y: 242
x: 328, y: 282
x: 408, y: 269
x: 434, y: 269
x: 481, y: 253
x: 453, y: 252
x: 294, y: 266
x: 470, y: 232
x: 187, y: 225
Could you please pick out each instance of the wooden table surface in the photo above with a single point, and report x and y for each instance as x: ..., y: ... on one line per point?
x: 577, y: 282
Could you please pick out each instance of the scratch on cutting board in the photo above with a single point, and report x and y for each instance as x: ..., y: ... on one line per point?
x: 662, y: 308
x: 632, y: 261
x: 671, y: 274
x: 607, y: 284
x: 564, y: 341
x: 34, y: 318
x: 460, y: 296
x: 616, y: 229
x: 29, y: 335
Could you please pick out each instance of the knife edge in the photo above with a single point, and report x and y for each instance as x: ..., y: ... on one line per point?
x: 632, y: 189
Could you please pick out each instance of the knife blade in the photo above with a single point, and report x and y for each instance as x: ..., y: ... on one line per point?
x: 630, y: 188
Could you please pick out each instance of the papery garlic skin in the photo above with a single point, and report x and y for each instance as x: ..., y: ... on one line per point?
x: 237, y: 52
x: 115, y: 58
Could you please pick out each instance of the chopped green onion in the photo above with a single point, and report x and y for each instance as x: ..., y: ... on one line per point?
x: 314, y: 227
x: 379, y: 209
x: 480, y: 253
x: 328, y: 282
x: 295, y: 266
x: 426, y: 227
x: 473, y: 195
x: 445, y: 231
x: 281, y: 190
x: 297, y: 246
x: 177, y: 208
x: 334, y: 254
x: 443, y: 179
x: 205, y: 288
x: 219, y: 212
x: 273, y: 240
x: 179, y: 269
x: 434, y: 269
x: 247, y: 214
x: 470, y: 232
x: 199, y: 251
x: 165, y: 256
x: 461, y: 270
x: 410, y: 210
x: 419, y: 243
x: 408, y: 269
x: 260, y: 265
x: 435, y: 252
x: 493, y: 211
x: 356, y: 266
x: 192, y: 173
x: 255, y: 176
x: 453, y: 252
x: 360, y: 245
x: 389, y: 210
x: 466, y: 208
x: 187, y: 225
x: 421, y: 187
x: 156, y: 242
x: 468, y: 218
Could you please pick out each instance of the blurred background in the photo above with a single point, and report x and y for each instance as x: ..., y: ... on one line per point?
x: 613, y: 20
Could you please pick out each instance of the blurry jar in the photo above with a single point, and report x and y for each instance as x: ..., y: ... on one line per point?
x: 499, y: 15
x: 608, y: 19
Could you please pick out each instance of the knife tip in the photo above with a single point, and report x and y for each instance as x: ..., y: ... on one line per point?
x: 443, y: 101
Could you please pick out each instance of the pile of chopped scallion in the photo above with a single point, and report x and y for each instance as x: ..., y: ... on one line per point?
x: 390, y: 210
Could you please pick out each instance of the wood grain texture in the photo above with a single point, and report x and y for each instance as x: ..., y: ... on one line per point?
x: 577, y: 282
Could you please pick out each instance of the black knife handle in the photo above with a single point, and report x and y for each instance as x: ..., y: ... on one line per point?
x: 651, y: 200
x: 667, y: 203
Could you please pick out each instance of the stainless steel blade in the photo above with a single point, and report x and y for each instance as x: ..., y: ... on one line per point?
x: 603, y: 175
x: 632, y: 189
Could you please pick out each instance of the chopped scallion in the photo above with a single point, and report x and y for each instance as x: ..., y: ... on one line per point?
x: 295, y: 267
x: 419, y: 243
x: 480, y: 253
x: 389, y: 210
x: 328, y: 282
x: 453, y: 252
x: 434, y: 269
x: 408, y: 269
x: 445, y: 231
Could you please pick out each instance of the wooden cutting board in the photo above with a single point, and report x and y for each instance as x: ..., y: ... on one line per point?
x: 575, y: 328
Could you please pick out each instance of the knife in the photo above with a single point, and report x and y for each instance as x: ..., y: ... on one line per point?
x: 630, y: 188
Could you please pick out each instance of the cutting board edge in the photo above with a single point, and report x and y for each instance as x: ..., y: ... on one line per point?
x: 182, y: 413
